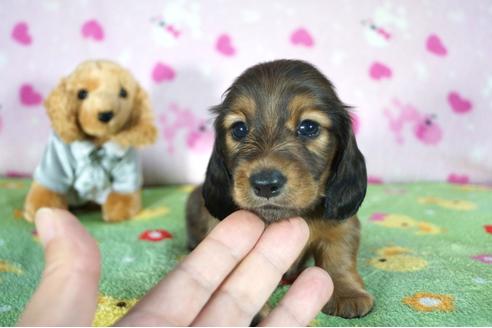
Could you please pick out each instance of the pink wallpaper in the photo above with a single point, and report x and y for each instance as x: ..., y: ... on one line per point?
x: 419, y: 74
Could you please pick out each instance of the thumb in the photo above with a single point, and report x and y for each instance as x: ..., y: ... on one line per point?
x: 67, y: 293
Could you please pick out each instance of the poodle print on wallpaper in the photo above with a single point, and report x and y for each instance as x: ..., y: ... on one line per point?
x: 199, y: 136
x: 385, y: 22
x: 424, y: 127
x: 175, y: 21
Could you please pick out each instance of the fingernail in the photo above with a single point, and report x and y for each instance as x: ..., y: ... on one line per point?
x: 45, y: 224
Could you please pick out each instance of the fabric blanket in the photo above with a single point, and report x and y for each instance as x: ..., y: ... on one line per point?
x: 426, y: 254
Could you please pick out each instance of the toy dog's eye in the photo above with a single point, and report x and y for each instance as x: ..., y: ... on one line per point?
x: 123, y: 93
x: 239, y: 130
x: 82, y: 94
x: 308, y: 128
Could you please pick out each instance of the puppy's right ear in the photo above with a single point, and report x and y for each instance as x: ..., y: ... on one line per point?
x: 61, y: 106
x: 217, y: 186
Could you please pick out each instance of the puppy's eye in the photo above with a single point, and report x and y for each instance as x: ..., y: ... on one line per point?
x: 123, y: 93
x: 308, y: 128
x: 82, y: 94
x: 239, y: 130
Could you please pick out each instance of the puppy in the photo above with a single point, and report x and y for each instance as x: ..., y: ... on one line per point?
x: 99, y: 114
x: 284, y: 147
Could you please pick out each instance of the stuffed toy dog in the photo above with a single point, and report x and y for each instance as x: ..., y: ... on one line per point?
x: 99, y: 115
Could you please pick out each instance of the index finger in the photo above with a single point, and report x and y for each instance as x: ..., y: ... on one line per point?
x: 178, y: 298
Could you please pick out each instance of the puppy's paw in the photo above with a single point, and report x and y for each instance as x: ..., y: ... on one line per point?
x: 119, y: 207
x: 353, y: 304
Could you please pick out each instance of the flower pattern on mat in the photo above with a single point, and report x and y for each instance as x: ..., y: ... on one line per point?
x: 17, y: 213
x: 16, y: 185
x: 452, y: 204
x: 397, y: 259
x: 187, y: 188
x: 9, y: 267
x: 428, y: 302
x: 5, y: 308
x: 155, y: 235
x: 401, y: 221
x: 484, y: 258
x: 110, y: 309
x: 475, y: 188
x: 480, y: 281
x: 151, y: 213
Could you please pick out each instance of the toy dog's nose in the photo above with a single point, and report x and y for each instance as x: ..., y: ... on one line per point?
x: 267, y: 183
x: 105, y: 117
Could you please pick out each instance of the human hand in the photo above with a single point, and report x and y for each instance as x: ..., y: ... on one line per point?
x: 224, y: 281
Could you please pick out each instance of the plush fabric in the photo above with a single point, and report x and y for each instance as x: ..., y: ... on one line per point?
x: 425, y: 253
x: 417, y: 73
x: 86, y: 172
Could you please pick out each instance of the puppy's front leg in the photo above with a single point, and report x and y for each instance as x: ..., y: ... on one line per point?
x: 199, y: 222
x: 335, y: 250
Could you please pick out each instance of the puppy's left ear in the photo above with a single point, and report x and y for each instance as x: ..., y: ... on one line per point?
x: 140, y: 130
x: 347, y: 185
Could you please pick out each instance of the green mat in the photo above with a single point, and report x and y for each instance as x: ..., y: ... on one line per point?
x: 426, y: 254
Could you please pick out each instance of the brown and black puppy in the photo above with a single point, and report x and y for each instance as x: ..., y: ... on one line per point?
x: 284, y: 147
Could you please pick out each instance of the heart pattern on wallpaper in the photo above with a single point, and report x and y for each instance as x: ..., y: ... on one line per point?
x: 302, y: 37
x: 435, y: 45
x: 29, y: 96
x: 459, y: 104
x: 224, y: 45
x: 379, y: 71
x: 92, y: 29
x: 162, y: 73
x: 20, y: 33
x: 456, y: 178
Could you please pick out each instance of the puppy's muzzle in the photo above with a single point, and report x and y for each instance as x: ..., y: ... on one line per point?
x: 267, y: 183
x: 105, y: 117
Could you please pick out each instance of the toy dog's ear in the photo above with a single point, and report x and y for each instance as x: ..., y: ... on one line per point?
x: 140, y: 130
x: 346, y: 187
x: 216, y: 189
x: 61, y: 107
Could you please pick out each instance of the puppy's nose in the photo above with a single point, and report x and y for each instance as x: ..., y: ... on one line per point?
x: 267, y: 183
x: 105, y: 117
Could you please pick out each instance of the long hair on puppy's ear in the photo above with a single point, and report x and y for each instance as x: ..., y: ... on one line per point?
x: 216, y: 189
x: 347, y: 185
x: 61, y: 107
x: 140, y: 129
